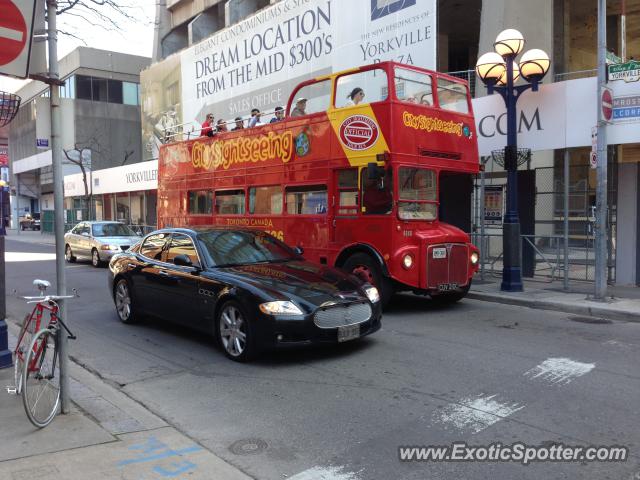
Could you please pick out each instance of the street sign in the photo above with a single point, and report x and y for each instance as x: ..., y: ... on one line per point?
x: 629, y: 72
x: 16, y: 33
x: 607, y: 104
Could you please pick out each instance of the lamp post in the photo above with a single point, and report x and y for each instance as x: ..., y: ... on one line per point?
x: 5, y: 353
x: 499, y: 72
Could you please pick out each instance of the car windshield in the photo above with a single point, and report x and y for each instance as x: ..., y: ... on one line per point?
x: 232, y: 248
x: 112, y: 230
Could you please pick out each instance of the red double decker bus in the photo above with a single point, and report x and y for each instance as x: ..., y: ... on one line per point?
x: 352, y: 176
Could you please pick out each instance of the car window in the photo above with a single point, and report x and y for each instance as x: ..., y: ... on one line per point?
x: 112, y: 230
x: 84, y: 229
x: 76, y: 229
x: 182, y: 245
x: 152, y: 246
x: 228, y: 248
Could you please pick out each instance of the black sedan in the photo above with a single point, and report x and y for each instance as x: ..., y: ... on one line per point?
x: 246, y: 287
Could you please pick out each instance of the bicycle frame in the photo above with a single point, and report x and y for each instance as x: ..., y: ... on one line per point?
x: 36, y: 316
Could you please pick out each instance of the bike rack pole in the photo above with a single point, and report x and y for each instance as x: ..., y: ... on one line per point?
x: 566, y: 219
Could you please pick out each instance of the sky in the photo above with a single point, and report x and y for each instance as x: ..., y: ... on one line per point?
x: 134, y: 36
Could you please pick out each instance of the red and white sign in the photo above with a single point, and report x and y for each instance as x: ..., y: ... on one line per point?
x: 607, y: 104
x: 359, y: 132
x: 4, y: 155
x: 16, y: 33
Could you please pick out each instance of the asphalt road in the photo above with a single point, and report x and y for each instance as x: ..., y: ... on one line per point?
x: 475, y: 372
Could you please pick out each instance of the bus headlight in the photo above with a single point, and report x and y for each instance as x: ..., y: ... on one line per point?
x: 474, y: 258
x: 407, y: 261
x: 280, y: 307
x: 372, y: 294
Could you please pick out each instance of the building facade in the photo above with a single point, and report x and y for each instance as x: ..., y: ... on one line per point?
x: 100, y: 112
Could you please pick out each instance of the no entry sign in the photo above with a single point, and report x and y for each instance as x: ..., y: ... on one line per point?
x: 607, y: 104
x: 16, y: 27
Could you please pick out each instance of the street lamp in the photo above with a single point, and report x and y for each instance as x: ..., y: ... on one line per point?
x: 499, y: 72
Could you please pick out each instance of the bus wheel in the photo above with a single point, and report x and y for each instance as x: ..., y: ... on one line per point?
x: 449, y: 298
x: 366, y: 268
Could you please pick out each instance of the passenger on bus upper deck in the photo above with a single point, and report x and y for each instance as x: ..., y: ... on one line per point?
x: 279, y: 115
x: 239, y: 124
x: 355, y: 97
x: 255, y: 121
x: 207, y: 126
x: 221, y: 126
x: 301, y: 106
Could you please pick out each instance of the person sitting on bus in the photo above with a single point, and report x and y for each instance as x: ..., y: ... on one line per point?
x: 279, y: 115
x: 355, y: 97
x: 207, y: 126
x: 377, y: 196
x: 254, y: 121
x: 221, y: 126
x: 301, y: 106
x: 239, y: 124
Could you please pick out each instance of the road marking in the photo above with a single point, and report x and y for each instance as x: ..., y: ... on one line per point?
x: 476, y: 413
x: 11, y: 34
x: 325, y: 473
x: 559, y: 370
x: 28, y: 257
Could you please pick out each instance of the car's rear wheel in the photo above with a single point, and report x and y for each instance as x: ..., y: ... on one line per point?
x: 234, y: 332
x: 68, y: 254
x: 366, y: 268
x: 95, y: 258
x: 124, y: 302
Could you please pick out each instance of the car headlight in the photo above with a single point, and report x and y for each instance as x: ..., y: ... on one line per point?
x: 372, y: 294
x: 109, y: 247
x: 280, y: 307
x: 407, y: 261
x: 474, y: 258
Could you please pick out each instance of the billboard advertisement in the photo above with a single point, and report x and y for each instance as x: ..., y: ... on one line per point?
x: 257, y: 62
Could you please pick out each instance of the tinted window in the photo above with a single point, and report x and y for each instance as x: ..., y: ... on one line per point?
x: 115, y: 91
x: 265, y: 200
x: 130, y: 93
x: 152, y: 246
x: 308, y: 200
x: 99, y: 89
x: 227, y: 248
x: 182, y: 245
x: 83, y: 87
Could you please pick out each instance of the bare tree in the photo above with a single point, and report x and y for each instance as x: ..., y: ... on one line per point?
x: 81, y: 156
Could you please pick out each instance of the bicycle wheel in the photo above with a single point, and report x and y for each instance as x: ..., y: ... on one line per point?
x: 41, y: 379
x: 25, y: 337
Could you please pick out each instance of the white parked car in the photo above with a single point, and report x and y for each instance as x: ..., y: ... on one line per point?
x: 98, y: 241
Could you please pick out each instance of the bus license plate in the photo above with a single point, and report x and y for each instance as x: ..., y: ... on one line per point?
x: 348, y: 333
x: 439, y: 253
x: 447, y: 287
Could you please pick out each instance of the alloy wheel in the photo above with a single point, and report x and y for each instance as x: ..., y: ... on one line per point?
x: 233, y: 331
x: 123, y: 301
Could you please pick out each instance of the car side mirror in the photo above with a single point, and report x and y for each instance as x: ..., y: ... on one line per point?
x: 182, y: 260
x: 298, y: 250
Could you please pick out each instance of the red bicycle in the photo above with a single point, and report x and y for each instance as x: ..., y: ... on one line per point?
x: 36, y: 368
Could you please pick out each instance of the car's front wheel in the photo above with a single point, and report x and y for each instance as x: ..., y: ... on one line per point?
x: 68, y: 254
x: 95, y: 258
x: 124, y: 302
x: 233, y: 332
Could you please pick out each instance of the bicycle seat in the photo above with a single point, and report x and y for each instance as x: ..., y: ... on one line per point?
x: 41, y: 284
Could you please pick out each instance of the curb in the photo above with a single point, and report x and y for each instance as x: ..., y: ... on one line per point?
x: 591, y: 310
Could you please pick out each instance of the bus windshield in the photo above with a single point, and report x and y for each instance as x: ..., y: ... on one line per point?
x: 417, y: 192
x: 413, y: 86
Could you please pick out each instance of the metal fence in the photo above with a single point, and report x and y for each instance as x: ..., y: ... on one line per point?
x: 551, y: 253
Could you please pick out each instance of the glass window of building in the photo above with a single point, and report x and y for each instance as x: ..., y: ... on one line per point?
x: 99, y: 89
x: 83, y: 87
x: 265, y: 200
x: 115, y: 91
x: 130, y: 93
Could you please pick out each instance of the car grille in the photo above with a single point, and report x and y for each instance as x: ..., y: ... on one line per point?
x: 124, y: 248
x: 342, y: 315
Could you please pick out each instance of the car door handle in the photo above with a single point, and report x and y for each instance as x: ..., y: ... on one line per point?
x: 164, y: 273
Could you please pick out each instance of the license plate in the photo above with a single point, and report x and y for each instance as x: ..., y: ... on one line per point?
x: 447, y: 287
x: 439, y: 253
x: 348, y: 333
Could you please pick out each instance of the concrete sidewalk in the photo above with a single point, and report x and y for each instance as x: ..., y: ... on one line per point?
x: 622, y: 303
x: 29, y: 236
x: 106, y: 435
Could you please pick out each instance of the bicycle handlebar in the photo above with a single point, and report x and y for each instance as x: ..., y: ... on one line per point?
x: 47, y: 298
